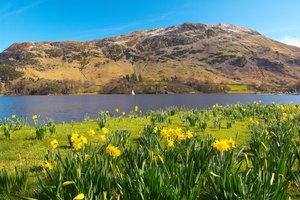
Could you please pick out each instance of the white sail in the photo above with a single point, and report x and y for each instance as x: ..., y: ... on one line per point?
x: 132, y: 92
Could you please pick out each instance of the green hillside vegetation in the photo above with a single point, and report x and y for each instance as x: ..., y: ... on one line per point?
x: 8, y: 73
x: 188, y: 58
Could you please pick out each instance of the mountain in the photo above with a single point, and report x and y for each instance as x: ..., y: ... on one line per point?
x: 215, y: 54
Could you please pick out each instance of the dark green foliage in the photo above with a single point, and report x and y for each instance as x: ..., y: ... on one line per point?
x: 44, y: 87
x: 13, y: 182
x: 103, y: 118
x: 8, y: 73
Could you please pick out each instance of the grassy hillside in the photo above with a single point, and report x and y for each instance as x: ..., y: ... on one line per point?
x: 221, y: 54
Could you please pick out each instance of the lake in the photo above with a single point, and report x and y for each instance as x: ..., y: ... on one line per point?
x: 67, y: 108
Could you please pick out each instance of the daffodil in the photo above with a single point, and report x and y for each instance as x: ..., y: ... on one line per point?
x: 66, y: 183
x: 180, y: 137
x: 113, y: 151
x: 136, y: 108
x: 117, y: 110
x: 231, y: 143
x: 78, y: 141
x: 79, y: 197
x: 14, y: 116
x: 189, y: 134
x: 48, y: 165
x: 221, y: 145
x: 91, y: 132
x: 170, y: 143
x: 34, y: 117
x: 102, y: 138
x: 165, y: 133
x: 54, y: 144
x: 104, y: 130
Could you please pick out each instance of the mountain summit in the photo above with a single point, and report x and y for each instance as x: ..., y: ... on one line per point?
x: 222, y: 54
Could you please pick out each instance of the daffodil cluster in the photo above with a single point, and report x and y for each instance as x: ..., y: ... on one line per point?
x: 113, y: 151
x: 175, y: 134
x: 224, y: 145
x: 77, y: 141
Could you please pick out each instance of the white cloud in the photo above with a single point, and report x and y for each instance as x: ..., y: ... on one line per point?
x: 291, y: 41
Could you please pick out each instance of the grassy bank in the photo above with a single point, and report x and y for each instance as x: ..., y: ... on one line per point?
x: 245, y: 150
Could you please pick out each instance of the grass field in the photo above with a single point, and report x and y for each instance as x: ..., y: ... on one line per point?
x: 236, y: 88
x: 151, y: 143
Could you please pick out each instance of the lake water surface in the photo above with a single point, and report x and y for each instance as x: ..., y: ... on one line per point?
x: 67, y: 108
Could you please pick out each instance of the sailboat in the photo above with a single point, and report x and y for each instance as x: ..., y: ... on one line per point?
x: 132, y: 92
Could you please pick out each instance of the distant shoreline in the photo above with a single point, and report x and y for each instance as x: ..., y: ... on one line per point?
x: 93, y: 94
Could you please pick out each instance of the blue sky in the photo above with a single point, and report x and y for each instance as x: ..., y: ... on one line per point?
x: 81, y: 20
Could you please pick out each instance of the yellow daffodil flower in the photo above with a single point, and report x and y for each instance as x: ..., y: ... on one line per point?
x: 54, y: 144
x: 113, y: 151
x: 79, y: 197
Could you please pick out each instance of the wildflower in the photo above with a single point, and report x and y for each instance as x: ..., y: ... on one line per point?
x: 102, y: 138
x: 77, y: 142
x: 113, y: 151
x: 221, y: 145
x: 136, y: 108
x: 66, y: 183
x: 165, y: 133
x: 79, y: 196
x: 284, y: 116
x: 54, y: 144
x: 104, y: 130
x: 14, y: 116
x: 177, y: 131
x: 170, y: 143
x: 91, y: 132
x: 180, y: 137
x: 189, y: 134
x: 117, y: 110
x: 48, y: 165
x: 231, y: 143
x: 74, y: 136
x: 34, y: 117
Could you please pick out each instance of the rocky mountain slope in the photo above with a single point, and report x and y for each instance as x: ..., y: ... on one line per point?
x: 222, y: 53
